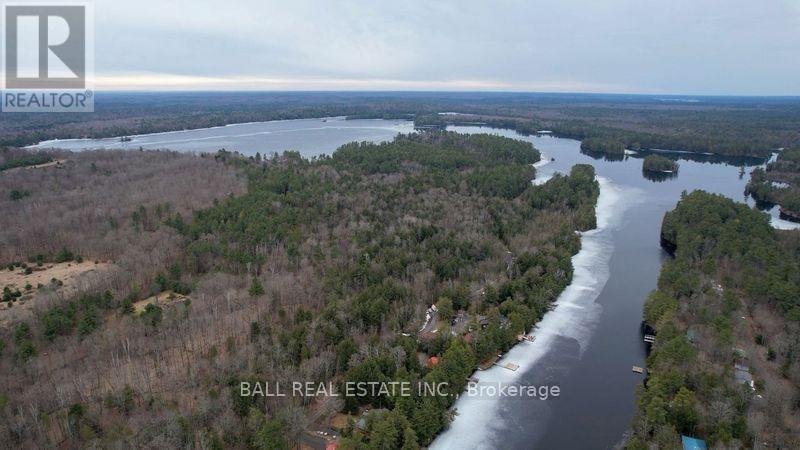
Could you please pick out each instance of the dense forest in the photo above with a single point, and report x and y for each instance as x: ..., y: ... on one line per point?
x: 733, y: 126
x: 319, y: 270
x: 726, y: 318
x: 779, y: 184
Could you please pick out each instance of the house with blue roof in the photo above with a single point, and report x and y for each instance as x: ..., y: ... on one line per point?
x: 690, y: 443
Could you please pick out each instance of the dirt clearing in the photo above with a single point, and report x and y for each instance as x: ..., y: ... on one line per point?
x: 65, y: 278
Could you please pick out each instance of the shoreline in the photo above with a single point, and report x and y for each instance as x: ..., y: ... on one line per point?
x: 47, y: 144
x: 574, y: 315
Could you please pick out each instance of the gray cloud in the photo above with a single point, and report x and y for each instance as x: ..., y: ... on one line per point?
x: 679, y: 46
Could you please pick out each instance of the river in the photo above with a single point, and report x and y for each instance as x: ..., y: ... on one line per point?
x: 588, y: 343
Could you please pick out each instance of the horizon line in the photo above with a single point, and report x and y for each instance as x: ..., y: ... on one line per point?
x: 434, y: 91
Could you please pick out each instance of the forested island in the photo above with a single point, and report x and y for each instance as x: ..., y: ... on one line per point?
x: 659, y: 164
x: 272, y: 270
x: 726, y: 318
x: 779, y: 184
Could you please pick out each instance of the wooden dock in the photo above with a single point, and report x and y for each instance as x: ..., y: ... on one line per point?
x: 638, y: 369
x: 510, y: 366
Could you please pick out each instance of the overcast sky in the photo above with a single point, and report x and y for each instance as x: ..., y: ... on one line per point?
x: 642, y: 46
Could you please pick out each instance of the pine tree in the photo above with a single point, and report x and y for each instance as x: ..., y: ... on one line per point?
x: 256, y: 289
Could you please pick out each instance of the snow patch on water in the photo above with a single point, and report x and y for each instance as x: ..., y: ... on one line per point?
x: 574, y: 316
x: 541, y: 179
x: 543, y: 160
x: 775, y: 218
x: 783, y: 224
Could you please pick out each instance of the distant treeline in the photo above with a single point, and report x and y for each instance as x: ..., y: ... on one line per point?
x: 603, y: 145
x: 725, y: 126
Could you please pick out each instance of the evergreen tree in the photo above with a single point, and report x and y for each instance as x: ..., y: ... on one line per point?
x: 256, y: 289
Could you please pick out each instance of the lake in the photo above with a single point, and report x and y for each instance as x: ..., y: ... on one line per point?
x: 311, y: 137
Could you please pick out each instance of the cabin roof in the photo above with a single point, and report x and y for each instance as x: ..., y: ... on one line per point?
x: 690, y: 443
